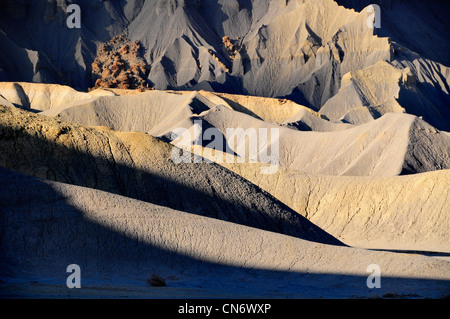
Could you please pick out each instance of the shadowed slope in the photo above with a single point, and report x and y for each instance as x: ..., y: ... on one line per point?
x: 139, y: 166
x: 118, y: 242
x: 401, y: 212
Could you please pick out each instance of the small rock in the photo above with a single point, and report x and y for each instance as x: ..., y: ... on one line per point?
x: 156, y: 281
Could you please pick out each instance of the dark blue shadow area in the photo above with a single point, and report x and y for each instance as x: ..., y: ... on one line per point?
x: 42, y: 233
x: 205, y: 192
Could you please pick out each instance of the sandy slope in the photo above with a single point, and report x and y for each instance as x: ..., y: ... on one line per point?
x: 53, y: 99
x: 140, y: 166
x: 371, y: 92
x: 394, y: 144
x: 408, y: 212
x: 401, y: 213
x: 41, y: 97
x: 379, y: 148
x: 125, y: 240
x: 266, y: 109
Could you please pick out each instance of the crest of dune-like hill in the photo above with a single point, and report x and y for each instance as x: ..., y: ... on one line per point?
x: 139, y: 166
x: 395, y: 143
x: 39, y: 96
x: 382, y: 147
x: 379, y: 89
x: 402, y: 213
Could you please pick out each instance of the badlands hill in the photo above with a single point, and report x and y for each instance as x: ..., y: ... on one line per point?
x: 323, y: 212
x: 139, y: 166
x: 402, y: 213
x: 119, y: 242
x: 391, y: 145
x: 308, y: 51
